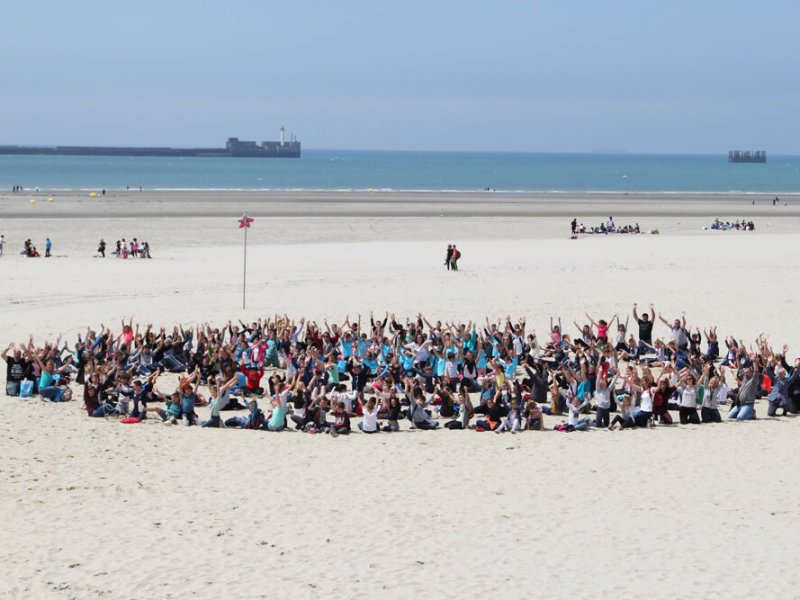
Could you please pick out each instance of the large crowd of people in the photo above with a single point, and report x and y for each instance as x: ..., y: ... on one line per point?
x: 395, y: 374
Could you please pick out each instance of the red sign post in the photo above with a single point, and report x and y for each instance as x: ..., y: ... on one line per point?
x: 244, y: 223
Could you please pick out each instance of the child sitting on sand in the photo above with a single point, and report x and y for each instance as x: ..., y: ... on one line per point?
x: 370, y: 413
x: 574, y: 421
x: 276, y: 420
x: 217, y: 392
x: 171, y: 415
x: 534, y: 417
x: 341, y: 421
x: 513, y: 421
x: 625, y: 417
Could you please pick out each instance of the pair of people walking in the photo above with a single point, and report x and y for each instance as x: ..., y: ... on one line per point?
x: 451, y: 258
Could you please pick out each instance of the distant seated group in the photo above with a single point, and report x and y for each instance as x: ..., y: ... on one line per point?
x: 735, y: 225
x: 605, y: 228
x: 493, y: 377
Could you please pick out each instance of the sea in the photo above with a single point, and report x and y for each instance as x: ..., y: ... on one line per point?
x: 410, y: 171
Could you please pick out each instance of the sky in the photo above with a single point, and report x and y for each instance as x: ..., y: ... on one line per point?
x: 645, y: 76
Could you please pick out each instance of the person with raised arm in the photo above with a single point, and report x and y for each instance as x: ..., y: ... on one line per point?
x: 782, y: 382
x: 217, y: 393
x: 602, y: 327
x: 688, y: 394
x: 18, y: 367
x: 645, y: 323
x: 625, y: 418
x: 49, y: 380
x: 369, y: 411
x: 743, y: 408
x: 679, y: 332
x: 574, y: 421
x: 715, y: 392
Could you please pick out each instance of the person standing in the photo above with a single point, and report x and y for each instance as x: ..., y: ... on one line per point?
x: 455, y: 256
x: 48, y: 246
x: 2, y: 243
x: 574, y: 226
x: 448, y: 257
x: 102, y: 248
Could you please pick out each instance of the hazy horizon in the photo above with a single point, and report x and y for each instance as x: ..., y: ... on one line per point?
x: 569, y: 77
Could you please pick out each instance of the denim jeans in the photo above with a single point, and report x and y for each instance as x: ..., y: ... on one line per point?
x: 103, y: 410
x: 743, y: 412
x: 582, y: 424
x: 52, y: 392
x: 212, y: 422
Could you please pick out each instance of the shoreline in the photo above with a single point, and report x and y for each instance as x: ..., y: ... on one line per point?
x: 159, y: 204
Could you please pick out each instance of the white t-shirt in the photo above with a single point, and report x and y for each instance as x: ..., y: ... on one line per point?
x: 689, y: 397
x: 370, y: 419
x: 646, y: 401
x: 348, y: 398
x: 451, y: 369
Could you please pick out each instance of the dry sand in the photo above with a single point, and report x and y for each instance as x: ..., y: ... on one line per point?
x: 95, y: 508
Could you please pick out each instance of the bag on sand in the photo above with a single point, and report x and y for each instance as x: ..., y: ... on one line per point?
x: 26, y: 388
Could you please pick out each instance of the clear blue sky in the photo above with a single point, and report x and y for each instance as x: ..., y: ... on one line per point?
x: 676, y: 76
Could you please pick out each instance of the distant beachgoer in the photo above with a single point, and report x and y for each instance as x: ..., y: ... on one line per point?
x: 2, y: 243
x: 101, y: 249
x: 574, y: 226
x: 448, y: 256
x: 454, y: 259
x: 48, y: 246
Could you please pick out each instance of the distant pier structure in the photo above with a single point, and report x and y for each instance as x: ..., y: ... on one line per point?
x: 747, y: 156
x: 233, y: 147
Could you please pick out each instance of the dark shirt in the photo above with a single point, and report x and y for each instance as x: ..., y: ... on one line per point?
x: 646, y: 331
x: 16, y: 369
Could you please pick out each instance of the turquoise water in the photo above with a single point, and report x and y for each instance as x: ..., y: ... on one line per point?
x: 362, y: 170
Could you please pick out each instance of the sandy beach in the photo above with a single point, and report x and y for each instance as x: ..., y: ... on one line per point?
x: 93, y: 508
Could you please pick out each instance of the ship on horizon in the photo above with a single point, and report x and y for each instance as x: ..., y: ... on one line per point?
x: 747, y: 156
x: 234, y: 147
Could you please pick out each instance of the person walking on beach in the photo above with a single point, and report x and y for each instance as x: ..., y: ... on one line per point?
x: 101, y: 248
x: 448, y: 256
x: 574, y: 226
x: 2, y: 243
x: 454, y: 260
x: 48, y: 246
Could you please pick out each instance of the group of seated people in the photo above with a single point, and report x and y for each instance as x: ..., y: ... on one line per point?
x: 30, y: 251
x: 395, y: 374
x: 735, y: 225
x: 604, y: 228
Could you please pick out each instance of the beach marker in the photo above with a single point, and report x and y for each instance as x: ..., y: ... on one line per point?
x: 33, y: 200
x: 93, y: 195
x: 244, y: 223
x: 50, y: 199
